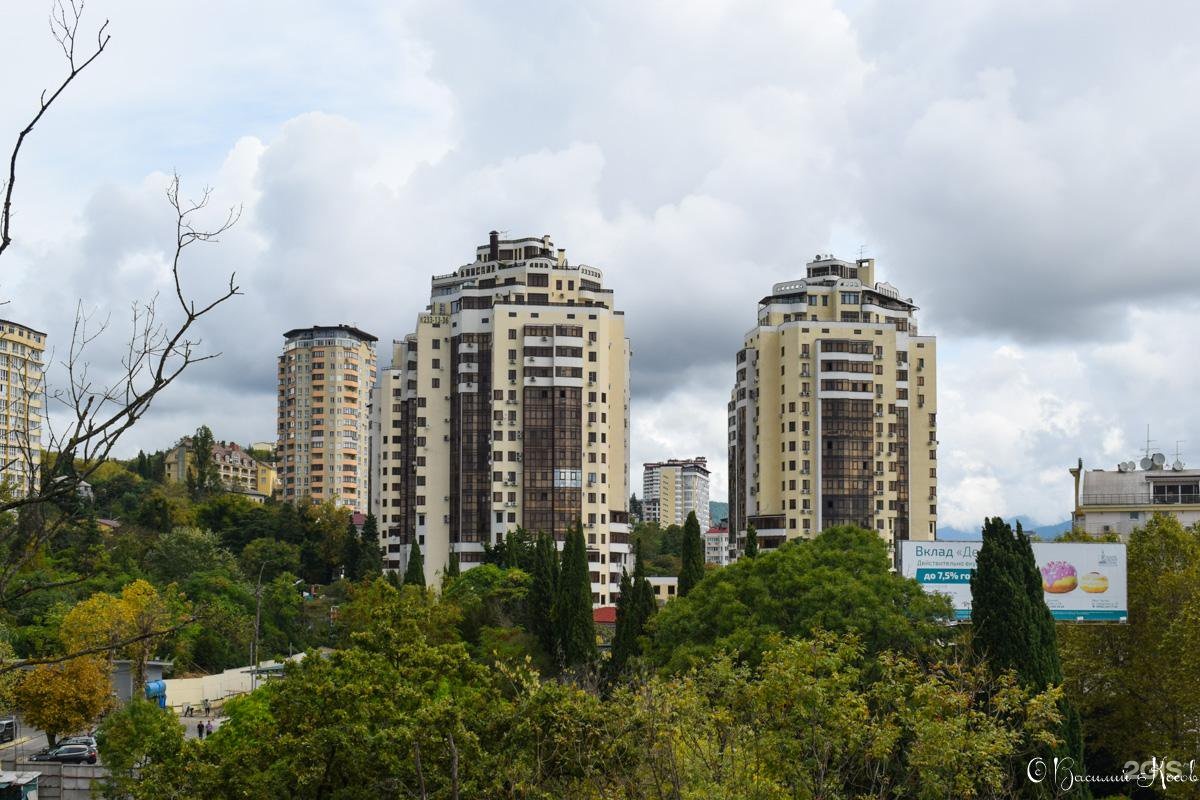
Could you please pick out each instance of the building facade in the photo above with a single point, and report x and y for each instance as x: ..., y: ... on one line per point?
x: 716, y: 546
x: 673, y: 489
x: 833, y: 415
x: 22, y: 404
x: 508, y: 406
x: 325, y: 379
x: 1117, y: 501
x: 240, y: 472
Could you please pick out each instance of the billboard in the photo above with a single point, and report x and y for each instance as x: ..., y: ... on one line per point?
x: 1080, y: 582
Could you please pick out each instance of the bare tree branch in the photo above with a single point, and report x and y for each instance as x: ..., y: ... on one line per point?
x: 91, y: 651
x: 64, y: 26
x: 97, y: 415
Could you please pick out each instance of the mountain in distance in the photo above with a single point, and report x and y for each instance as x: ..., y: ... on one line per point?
x: 717, y: 511
x: 1046, y: 533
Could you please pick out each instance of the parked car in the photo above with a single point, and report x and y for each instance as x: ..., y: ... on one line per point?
x: 89, y: 740
x: 68, y: 754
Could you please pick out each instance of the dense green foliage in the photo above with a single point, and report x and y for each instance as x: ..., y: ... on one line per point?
x: 405, y: 710
x: 840, y: 581
x: 1135, y: 685
x: 691, y: 554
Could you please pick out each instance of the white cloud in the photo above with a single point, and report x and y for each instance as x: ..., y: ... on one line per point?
x: 1030, y: 190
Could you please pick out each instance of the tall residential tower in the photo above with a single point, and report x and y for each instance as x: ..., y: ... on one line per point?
x: 325, y: 377
x: 671, y: 489
x: 833, y: 417
x: 22, y: 393
x: 508, y: 406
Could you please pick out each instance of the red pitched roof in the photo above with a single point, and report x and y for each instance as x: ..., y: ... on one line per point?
x: 605, y: 615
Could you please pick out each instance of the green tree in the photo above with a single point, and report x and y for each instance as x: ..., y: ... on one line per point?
x: 1011, y: 626
x: 692, y: 555
x: 370, y: 554
x: 751, y: 541
x: 841, y: 581
x: 352, y: 552
x: 134, y: 737
x: 185, y: 551
x: 452, y: 568
x: 635, y: 606
x: 1135, y: 684
x: 414, y: 573
x: 543, y: 589
x: 143, y: 464
x: 278, y: 558
x: 203, y: 474
x: 573, y: 603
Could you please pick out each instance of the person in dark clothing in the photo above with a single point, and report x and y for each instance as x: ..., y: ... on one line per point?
x: 199, y: 730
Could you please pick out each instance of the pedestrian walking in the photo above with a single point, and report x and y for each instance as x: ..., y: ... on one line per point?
x: 187, y: 709
x: 208, y: 728
x: 207, y: 707
x: 199, y: 730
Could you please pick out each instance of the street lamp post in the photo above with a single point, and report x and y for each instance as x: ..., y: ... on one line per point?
x: 257, y: 621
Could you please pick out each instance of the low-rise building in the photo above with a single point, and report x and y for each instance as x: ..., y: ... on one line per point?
x: 1119, y: 500
x: 240, y: 473
x: 716, y: 545
x: 665, y: 588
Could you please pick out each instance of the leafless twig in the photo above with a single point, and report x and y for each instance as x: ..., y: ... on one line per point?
x: 64, y: 26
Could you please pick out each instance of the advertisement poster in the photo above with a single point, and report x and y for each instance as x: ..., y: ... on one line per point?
x: 1080, y: 582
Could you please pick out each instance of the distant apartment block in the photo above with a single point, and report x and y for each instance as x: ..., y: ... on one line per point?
x: 240, y: 472
x: 1119, y: 500
x: 833, y: 414
x: 507, y: 406
x: 325, y: 377
x: 716, y: 546
x: 673, y: 489
x: 22, y: 404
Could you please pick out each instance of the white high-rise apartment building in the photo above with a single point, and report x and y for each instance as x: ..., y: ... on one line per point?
x: 507, y: 406
x: 672, y: 489
x: 833, y: 415
x: 22, y: 405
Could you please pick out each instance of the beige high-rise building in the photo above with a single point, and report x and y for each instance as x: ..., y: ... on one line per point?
x: 833, y: 417
x: 672, y: 489
x: 240, y: 472
x: 508, y: 406
x: 22, y: 404
x: 325, y: 378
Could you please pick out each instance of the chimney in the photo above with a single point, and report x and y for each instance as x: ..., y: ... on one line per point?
x: 562, y: 257
x: 494, y: 246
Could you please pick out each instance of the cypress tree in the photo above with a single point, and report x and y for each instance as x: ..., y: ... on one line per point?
x: 414, y: 574
x: 573, y: 603
x: 370, y: 556
x: 452, y: 568
x: 542, y: 590
x: 691, y: 554
x: 1011, y: 625
x: 635, y: 606
x: 143, y: 466
x: 751, y: 541
x: 351, y: 553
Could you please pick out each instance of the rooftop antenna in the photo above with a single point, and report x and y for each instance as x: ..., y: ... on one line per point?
x: 862, y: 250
x: 1178, y: 463
x: 1149, y: 441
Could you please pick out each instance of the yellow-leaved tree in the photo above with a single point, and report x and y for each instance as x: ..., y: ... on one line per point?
x: 64, y: 698
x: 130, y: 625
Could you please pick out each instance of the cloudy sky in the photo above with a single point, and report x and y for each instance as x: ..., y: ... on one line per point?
x: 1026, y: 171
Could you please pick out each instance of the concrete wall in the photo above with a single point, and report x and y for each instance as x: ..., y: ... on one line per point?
x: 65, y: 781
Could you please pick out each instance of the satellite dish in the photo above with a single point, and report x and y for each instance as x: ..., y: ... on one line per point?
x: 1130, y: 466
x: 1177, y: 466
x: 1159, y: 459
x: 1147, y: 463
x: 1121, y: 467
